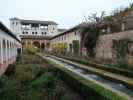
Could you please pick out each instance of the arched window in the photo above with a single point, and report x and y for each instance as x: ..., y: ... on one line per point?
x: 36, y: 44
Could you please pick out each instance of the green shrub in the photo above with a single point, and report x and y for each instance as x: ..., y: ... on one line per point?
x: 32, y: 82
x: 9, y: 89
x: 30, y: 50
x: 47, y: 81
x: 76, y: 46
x: 32, y: 94
x: 26, y: 73
x: 18, y: 58
x: 10, y: 70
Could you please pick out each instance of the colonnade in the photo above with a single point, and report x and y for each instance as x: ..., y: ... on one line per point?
x: 9, y: 44
x: 8, y: 50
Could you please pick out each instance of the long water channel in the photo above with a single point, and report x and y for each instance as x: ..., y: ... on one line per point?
x: 90, y: 76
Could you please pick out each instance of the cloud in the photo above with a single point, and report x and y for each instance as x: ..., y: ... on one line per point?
x: 66, y: 12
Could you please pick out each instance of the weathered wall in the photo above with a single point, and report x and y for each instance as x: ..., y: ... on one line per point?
x: 104, y: 50
x: 41, y: 42
x: 130, y: 54
x: 66, y: 38
x: 8, y: 50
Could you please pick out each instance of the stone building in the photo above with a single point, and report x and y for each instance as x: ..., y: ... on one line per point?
x: 104, y: 49
x: 67, y: 37
x: 33, y: 27
x: 33, y: 31
x: 9, y: 45
x: 41, y: 42
x: 49, y: 41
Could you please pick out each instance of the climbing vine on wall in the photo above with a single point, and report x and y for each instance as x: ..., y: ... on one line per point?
x: 121, y: 47
x: 76, y: 46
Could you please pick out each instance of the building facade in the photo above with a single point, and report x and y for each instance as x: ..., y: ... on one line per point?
x: 33, y: 27
x: 67, y: 39
x: 9, y: 45
x: 64, y: 41
x: 41, y: 42
x: 34, y: 31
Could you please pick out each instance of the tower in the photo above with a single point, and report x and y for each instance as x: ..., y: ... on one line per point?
x: 15, y: 26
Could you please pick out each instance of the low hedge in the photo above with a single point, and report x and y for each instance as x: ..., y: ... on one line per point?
x: 103, y: 67
x: 88, y: 89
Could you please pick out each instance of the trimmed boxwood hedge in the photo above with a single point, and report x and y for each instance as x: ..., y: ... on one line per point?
x: 88, y: 89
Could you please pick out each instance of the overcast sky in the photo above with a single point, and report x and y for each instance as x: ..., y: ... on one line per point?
x: 66, y: 13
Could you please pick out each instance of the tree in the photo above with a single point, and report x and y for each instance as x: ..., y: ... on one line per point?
x: 94, y: 18
x: 131, y: 6
x: 90, y: 32
x: 89, y: 39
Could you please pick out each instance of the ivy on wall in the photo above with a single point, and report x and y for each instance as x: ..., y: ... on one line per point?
x: 130, y: 50
x: 121, y: 47
x: 76, y: 46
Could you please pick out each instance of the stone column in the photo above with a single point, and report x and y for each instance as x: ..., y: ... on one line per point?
x: 12, y: 50
x: 4, y: 47
x: 1, y: 51
x: 123, y: 26
x: 6, y: 51
x: 9, y: 48
x: 30, y: 26
x: 39, y: 26
x: 15, y: 50
x: 108, y: 29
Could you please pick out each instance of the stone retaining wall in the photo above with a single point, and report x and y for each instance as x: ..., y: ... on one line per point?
x: 104, y: 50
